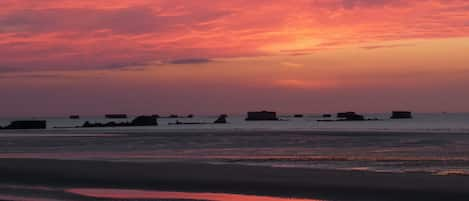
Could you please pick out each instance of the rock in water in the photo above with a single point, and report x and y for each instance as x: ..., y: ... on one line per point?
x: 138, y: 121
x: 221, y: 119
x: 27, y: 124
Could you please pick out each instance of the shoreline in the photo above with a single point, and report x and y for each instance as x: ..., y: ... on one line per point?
x: 149, y: 131
x: 250, y: 180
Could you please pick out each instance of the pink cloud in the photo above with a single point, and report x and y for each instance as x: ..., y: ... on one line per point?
x: 80, y: 35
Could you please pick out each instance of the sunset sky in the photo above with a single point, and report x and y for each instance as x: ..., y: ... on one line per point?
x: 59, y: 57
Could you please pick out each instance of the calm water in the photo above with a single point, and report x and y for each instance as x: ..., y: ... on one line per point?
x: 421, y: 123
x: 433, y: 143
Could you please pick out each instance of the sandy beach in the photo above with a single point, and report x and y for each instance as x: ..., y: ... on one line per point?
x: 193, y: 177
x: 132, y: 165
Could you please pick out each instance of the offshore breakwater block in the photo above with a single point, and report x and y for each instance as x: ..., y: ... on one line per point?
x: 262, y: 116
x: 401, y: 115
x: 116, y: 116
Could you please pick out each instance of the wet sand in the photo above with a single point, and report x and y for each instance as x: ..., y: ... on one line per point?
x: 40, y: 193
x: 194, y: 177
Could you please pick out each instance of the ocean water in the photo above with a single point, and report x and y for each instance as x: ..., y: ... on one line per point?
x: 430, y: 143
x: 437, y: 122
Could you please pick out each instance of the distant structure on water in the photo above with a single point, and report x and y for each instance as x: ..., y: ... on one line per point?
x: 262, y: 116
x: 401, y: 115
x: 350, y: 116
x: 138, y: 121
x: 298, y: 116
x: 27, y: 124
x: 220, y: 120
x: 173, y: 116
x: 116, y: 116
x: 145, y: 121
x: 74, y: 117
x: 346, y: 116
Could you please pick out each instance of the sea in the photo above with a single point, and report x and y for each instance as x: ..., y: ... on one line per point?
x: 435, y: 143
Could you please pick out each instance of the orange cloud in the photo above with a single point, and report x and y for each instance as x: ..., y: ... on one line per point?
x: 306, y: 84
x: 77, y: 35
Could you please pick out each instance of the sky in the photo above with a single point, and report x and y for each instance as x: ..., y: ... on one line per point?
x: 61, y: 57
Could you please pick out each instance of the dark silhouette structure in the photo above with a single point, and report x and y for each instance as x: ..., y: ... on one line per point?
x: 138, y: 121
x: 187, y: 123
x: 345, y: 114
x: 401, y: 115
x: 221, y: 119
x: 262, y: 116
x: 175, y: 116
x: 327, y: 115
x: 116, y: 116
x: 74, y: 117
x: 350, y: 116
x: 298, y: 116
x: 27, y: 124
x: 145, y: 121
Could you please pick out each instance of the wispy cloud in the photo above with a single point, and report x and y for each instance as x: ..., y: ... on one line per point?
x: 190, y: 61
x: 292, y: 65
x: 349, y: 4
x: 81, y: 35
x: 35, y: 76
x: 373, y: 47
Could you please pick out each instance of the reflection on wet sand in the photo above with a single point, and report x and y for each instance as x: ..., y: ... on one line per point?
x: 21, y: 198
x: 143, y: 194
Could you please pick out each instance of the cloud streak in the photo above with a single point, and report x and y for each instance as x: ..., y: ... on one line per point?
x: 374, y: 47
x: 191, y: 61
